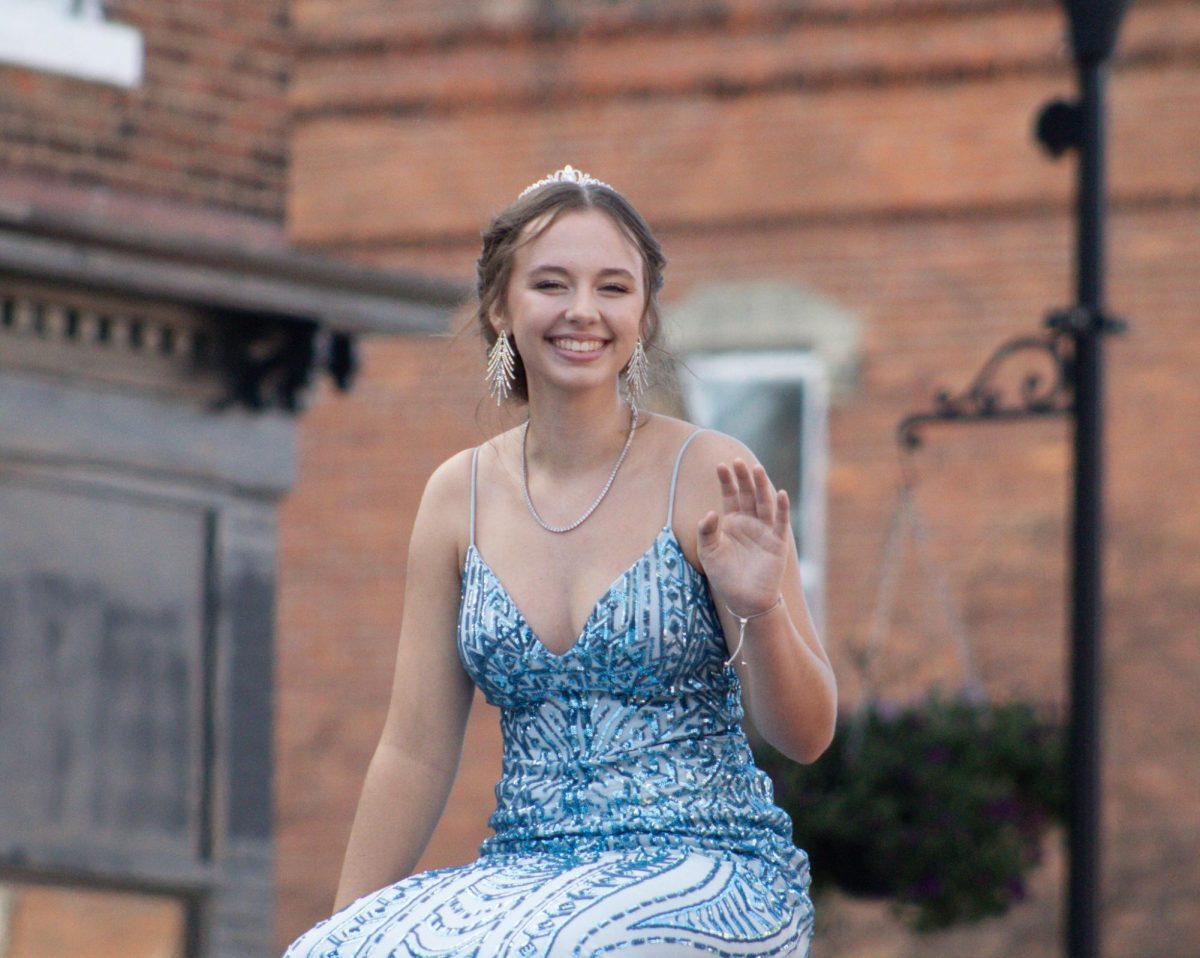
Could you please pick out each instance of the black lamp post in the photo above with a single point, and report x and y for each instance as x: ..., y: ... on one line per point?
x: 1094, y: 25
x: 1075, y: 344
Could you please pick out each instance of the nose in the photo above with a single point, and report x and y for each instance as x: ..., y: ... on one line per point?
x: 583, y: 306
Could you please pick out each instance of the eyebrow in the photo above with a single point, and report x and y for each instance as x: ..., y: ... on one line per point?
x: 608, y: 271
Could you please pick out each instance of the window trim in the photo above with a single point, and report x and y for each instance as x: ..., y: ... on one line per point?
x: 809, y: 514
x: 39, y: 37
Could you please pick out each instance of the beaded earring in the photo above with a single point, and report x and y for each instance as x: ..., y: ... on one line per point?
x: 637, y: 373
x: 500, y: 376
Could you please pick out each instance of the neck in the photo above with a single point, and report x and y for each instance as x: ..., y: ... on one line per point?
x: 578, y: 433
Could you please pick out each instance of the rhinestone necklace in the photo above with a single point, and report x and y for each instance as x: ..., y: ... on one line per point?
x: 603, y: 492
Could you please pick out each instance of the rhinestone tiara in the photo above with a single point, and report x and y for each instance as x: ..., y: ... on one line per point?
x: 568, y: 174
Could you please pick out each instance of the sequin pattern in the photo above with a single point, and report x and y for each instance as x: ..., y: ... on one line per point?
x: 630, y: 817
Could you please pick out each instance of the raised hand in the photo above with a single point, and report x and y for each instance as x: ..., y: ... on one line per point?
x: 744, y: 548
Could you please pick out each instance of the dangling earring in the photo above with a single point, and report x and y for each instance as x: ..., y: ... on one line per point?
x: 499, y: 375
x: 637, y: 373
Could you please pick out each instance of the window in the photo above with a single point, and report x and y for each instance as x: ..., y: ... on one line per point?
x: 70, y: 37
x: 776, y: 403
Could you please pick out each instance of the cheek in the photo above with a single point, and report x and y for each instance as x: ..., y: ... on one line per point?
x: 637, y: 317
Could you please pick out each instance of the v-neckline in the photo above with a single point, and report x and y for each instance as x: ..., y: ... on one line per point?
x: 587, y: 623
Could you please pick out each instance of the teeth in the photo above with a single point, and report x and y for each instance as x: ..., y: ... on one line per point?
x: 579, y: 345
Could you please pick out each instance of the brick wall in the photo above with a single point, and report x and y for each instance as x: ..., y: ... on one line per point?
x: 881, y: 158
x: 207, y: 126
x: 344, y: 542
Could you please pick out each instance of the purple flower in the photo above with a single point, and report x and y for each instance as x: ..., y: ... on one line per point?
x: 887, y: 710
x: 930, y: 886
x: 937, y: 755
x: 1003, y: 809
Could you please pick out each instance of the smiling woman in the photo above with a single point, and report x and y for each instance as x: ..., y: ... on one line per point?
x: 628, y: 266
x: 622, y: 548
x: 574, y: 301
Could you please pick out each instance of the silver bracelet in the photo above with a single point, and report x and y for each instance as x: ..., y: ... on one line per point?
x: 742, y: 620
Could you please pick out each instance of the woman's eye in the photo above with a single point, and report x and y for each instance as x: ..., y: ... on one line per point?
x: 614, y: 288
x: 547, y: 284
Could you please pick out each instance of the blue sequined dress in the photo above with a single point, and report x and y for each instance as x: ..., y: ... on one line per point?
x: 630, y: 817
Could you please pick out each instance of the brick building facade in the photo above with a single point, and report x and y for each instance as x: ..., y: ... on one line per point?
x: 205, y: 127
x: 874, y: 154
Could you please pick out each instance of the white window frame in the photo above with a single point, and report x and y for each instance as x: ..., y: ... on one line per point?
x: 70, y: 37
x: 806, y: 490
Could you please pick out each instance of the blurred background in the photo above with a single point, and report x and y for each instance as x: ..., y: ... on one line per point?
x: 236, y: 252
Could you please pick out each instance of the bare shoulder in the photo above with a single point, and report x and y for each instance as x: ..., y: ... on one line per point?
x: 667, y: 435
x: 711, y: 447
x: 449, y: 486
x: 698, y: 490
x: 705, y: 447
x: 442, y: 524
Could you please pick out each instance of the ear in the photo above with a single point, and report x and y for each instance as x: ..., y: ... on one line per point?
x: 496, y: 319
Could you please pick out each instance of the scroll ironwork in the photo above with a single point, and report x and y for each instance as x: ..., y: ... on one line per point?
x: 1038, y: 395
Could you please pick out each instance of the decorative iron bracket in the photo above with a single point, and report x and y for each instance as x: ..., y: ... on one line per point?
x: 269, y: 364
x: 984, y: 401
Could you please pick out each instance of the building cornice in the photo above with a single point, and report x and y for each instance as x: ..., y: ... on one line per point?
x: 115, y: 301
x: 119, y: 257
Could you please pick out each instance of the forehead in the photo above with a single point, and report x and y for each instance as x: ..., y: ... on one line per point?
x: 583, y: 239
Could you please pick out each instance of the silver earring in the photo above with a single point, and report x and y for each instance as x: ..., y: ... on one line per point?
x: 637, y: 373
x: 499, y: 375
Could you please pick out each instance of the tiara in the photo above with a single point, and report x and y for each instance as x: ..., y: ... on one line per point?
x: 568, y: 174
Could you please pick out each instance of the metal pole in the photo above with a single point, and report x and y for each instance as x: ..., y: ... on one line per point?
x: 1063, y: 126
x: 1087, y: 529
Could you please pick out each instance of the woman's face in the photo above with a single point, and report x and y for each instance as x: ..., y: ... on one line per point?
x: 574, y: 302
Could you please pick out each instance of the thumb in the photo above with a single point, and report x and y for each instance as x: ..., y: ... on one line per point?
x: 709, y: 530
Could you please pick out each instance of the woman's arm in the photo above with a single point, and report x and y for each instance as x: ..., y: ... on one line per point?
x: 790, y: 688
x: 417, y: 758
x: 745, y: 545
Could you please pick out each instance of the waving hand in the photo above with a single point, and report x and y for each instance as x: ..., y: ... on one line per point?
x: 744, y: 548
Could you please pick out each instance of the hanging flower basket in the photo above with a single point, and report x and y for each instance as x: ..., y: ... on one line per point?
x: 940, y: 806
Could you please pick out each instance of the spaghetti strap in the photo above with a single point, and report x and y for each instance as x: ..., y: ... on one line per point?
x: 675, y: 477
x: 474, y: 466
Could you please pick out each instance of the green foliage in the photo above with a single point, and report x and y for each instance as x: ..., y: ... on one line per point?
x: 939, y: 806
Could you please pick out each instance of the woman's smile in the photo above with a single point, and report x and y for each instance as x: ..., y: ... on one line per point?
x: 578, y: 348
x: 575, y: 302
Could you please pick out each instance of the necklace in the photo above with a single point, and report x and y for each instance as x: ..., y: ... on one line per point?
x: 603, y: 492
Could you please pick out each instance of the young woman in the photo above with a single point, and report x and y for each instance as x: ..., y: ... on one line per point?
x: 616, y: 582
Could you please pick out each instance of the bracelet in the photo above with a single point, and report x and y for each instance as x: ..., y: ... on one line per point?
x: 742, y: 620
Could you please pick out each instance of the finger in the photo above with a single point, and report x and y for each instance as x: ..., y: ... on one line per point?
x: 782, y: 513
x: 764, y: 495
x: 745, y: 486
x: 729, y: 493
x: 709, y: 530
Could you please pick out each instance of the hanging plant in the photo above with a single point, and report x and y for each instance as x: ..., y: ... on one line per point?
x: 940, y: 806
